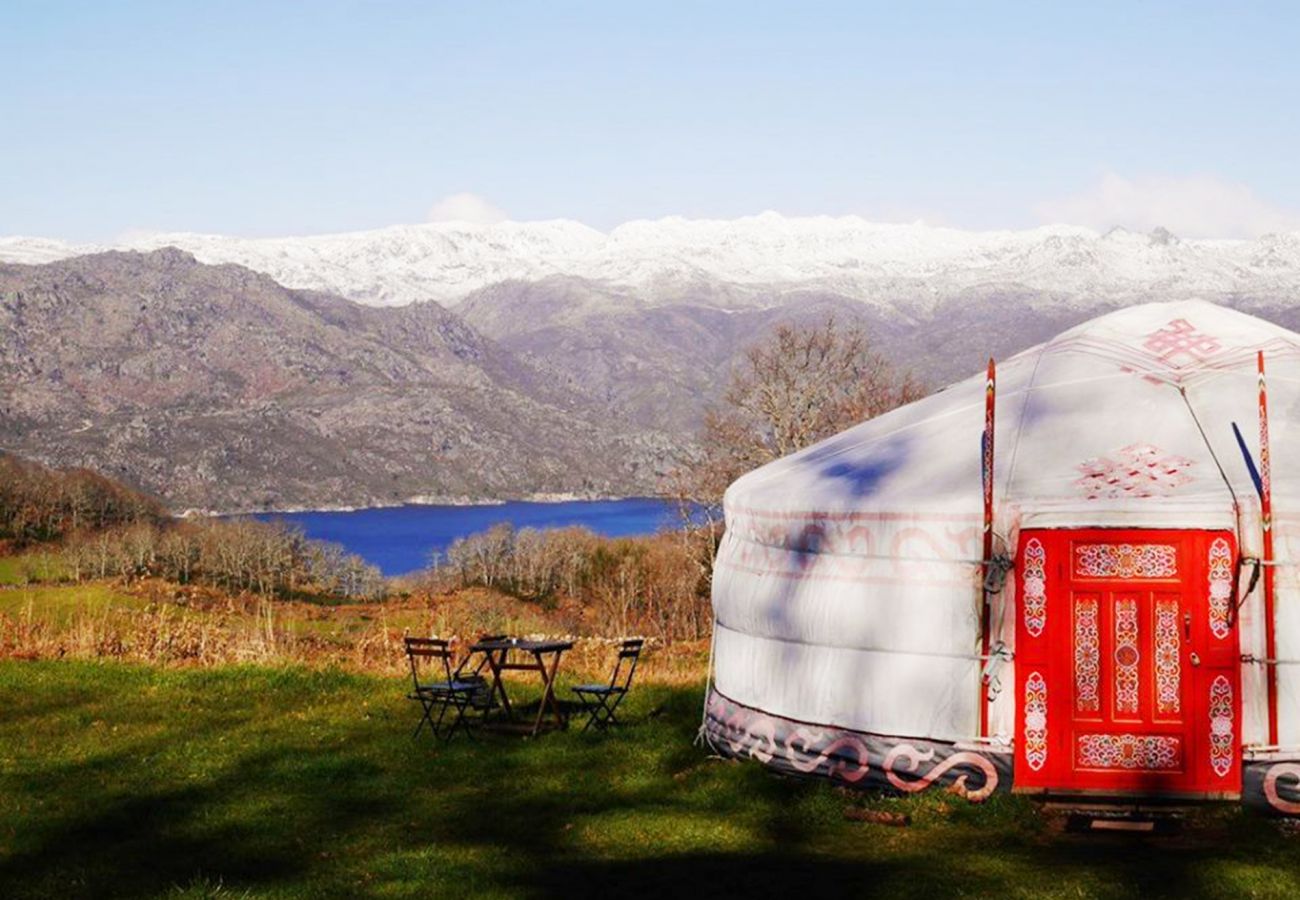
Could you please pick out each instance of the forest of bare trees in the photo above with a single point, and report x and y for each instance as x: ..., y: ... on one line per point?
x: 103, y: 529
x: 41, y: 504
x: 651, y: 585
x: 239, y: 555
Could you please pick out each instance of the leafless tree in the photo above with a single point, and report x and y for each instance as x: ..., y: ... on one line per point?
x: 799, y: 385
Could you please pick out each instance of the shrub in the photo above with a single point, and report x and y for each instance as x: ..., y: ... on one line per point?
x: 654, y: 585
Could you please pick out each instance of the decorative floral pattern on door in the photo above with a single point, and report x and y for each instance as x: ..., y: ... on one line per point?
x: 1221, y: 731
x: 1128, y: 751
x: 1127, y: 656
x: 1125, y: 561
x: 1220, y: 577
x: 1035, y: 721
x: 1034, y: 573
x: 1087, y: 653
x: 1168, y: 666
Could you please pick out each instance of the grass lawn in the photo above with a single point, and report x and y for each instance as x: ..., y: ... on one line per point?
x: 60, y: 603
x: 36, y: 565
x: 241, y: 781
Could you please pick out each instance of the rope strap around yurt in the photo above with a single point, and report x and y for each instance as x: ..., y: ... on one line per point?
x: 702, y: 736
x: 991, y: 673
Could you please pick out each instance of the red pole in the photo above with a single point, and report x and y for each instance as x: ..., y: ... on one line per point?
x: 990, y: 395
x: 1266, y: 518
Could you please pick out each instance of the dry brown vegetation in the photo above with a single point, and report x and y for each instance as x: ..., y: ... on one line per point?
x: 103, y: 529
x: 656, y: 586
x: 161, y: 623
x: 42, y: 504
x: 108, y: 575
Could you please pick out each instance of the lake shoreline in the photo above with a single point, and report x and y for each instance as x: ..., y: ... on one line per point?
x: 418, y: 500
x: 407, y: 538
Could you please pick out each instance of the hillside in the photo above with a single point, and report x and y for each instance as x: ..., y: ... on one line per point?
x: 213, y: 386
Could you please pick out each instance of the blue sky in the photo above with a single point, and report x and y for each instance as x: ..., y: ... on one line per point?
x: 283, y: 118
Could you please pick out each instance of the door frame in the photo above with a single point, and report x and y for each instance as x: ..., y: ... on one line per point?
x: 1044, y: 661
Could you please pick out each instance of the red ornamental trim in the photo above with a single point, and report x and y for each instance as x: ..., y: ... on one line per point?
x: 1221, y: 736
x: 1181, y: 338
x: 1125, y: 560
x: 1128, y: 751
x: 1266, y: 521
x: 844, y: 755
x: 1168, y: 665
x: 1127, y: 656
x: 1138, y: 471
x: 911, y: 758
x: 990, y: 395
x: 1087, y: 652
x: 1034, y: 573
x: 1035, y: 721
x: 855, y: 553
x: 1265, y: 475
x: 1290, y: 771
x: 809, y: 741
x: 1220, y: 587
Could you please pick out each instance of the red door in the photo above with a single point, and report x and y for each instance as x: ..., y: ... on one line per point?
x: 1127, y: 662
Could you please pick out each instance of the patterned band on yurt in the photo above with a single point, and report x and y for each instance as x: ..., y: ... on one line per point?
x: 1140, y: 586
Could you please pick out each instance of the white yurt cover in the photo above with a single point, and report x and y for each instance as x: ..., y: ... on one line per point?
x: 846, y: 591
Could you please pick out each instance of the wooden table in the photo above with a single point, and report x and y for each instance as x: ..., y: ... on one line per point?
x: 503, y: 656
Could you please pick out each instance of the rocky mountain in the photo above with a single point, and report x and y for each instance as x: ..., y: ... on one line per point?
x: 651, y: 366
x: 569, y: 361
x: 215, y: 387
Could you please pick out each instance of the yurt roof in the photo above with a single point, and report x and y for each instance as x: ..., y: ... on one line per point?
x: 1124, y: 420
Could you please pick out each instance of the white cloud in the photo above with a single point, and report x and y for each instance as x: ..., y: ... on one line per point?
x: 466, y: 207
x: 1192, y: 206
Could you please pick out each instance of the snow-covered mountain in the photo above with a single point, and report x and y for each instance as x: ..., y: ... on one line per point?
x: 905, y: 270
x: 598, y: 353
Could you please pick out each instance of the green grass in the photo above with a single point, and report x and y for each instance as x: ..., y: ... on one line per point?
x: 239, y: 781
x: 30, y: 567
x: 58, y: 604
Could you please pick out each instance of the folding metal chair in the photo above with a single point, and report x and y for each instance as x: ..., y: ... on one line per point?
x: 600, y: 700
x: 470, y: 671
x: 440, y: 696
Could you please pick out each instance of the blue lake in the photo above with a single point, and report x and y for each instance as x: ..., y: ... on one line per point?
x: 401, y: 539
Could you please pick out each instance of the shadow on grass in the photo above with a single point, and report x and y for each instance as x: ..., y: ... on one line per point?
x: 306, y: 784
x: 904, y: 874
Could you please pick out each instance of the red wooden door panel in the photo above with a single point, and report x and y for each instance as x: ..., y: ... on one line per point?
x: 1126, y: 657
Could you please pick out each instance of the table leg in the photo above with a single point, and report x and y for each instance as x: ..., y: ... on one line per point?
x: 548, y: 693
x: 560, y: 718
x: 495, y: 664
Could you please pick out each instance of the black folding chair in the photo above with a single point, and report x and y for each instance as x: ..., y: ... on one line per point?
x: 470, y: 671
x: 438, y: 696
x: 600, y: 700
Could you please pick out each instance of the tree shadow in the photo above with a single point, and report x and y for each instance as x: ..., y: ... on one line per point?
x: 311, y: 809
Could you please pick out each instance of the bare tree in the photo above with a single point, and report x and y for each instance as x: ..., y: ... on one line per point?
x: 799, y: 385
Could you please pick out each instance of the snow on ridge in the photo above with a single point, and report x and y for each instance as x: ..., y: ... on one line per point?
x: 40, y: 250
x: 874, y: 262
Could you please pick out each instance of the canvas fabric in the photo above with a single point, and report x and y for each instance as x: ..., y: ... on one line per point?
x: 847, y: 587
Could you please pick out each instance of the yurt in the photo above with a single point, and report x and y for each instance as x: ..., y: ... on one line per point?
x: 1127, y: 624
